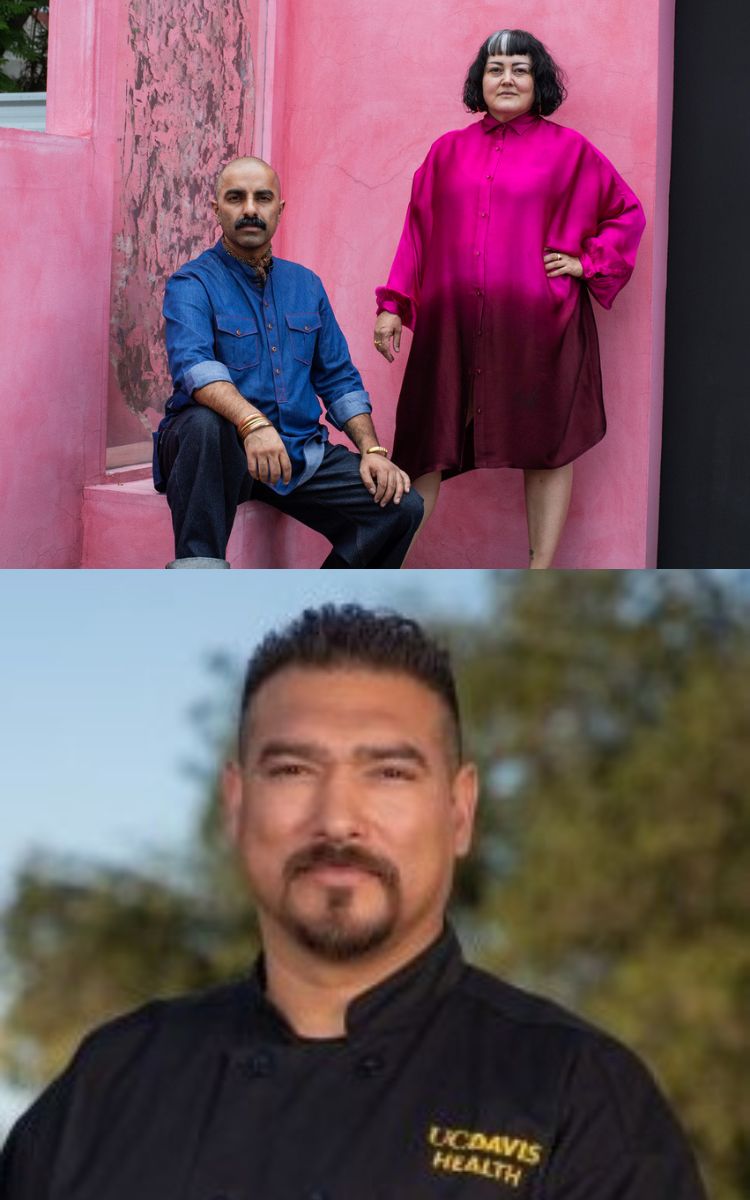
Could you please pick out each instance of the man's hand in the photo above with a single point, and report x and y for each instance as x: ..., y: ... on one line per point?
x: 383, y: 479
x: 387, y: 326
x: 267, y: 459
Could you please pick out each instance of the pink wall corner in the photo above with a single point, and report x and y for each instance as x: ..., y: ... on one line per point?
x: 54, y: 289
x: 387, y: 81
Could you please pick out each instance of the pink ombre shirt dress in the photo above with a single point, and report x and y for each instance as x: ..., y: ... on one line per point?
x: 504, y: 366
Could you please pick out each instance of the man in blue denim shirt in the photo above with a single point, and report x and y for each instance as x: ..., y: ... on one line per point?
x: 252, y: 343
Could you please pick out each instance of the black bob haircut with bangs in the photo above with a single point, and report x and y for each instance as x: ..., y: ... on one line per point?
x: 549, y: 80
x: 352, y: 636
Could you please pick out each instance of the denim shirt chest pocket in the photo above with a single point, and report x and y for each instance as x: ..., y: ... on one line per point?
x: 303, y: 334
x: 237, y: 341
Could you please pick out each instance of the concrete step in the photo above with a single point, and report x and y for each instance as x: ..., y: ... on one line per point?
x: 126, y: 524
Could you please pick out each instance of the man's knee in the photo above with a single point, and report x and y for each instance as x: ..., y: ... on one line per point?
x: 200, y: 426
x: 410, y: 510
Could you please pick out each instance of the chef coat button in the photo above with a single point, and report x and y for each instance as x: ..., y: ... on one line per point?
x: 274, y: 349
x: 259, y: 1065
x: 370, y: 1065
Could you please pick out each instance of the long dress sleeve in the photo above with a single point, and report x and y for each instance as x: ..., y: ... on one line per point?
x: 608, y: 253
x: 402, y: 292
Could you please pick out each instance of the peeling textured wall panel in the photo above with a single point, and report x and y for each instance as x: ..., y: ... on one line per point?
x: 188, y: 96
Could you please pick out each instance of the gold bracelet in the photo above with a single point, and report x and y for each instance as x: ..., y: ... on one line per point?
x: 376, y: 450
x: 255, y: 419
x: 250, y: 424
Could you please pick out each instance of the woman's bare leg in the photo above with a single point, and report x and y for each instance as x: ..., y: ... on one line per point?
x: 428, y: 487
x: 547, y: 501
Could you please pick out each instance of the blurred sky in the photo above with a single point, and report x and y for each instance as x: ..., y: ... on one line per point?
x: 99, y: 671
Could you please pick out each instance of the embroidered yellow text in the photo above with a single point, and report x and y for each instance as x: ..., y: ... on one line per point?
x: 465, y: 1151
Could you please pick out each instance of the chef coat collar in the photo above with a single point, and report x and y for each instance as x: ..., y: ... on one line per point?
x: 395, y: 1002
x: 519, y: 125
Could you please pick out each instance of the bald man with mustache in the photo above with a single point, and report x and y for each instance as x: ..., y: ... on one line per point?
x: 254, y: 348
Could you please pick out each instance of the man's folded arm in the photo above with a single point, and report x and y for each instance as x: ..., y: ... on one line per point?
x: 190, y: 348
x: 190, y: 335
x: 224, y: 399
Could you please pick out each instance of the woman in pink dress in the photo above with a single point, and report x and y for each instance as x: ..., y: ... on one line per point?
x: 513, y: 223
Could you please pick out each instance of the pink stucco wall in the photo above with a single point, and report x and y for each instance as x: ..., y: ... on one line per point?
x: 386, y: 80
x: 56, y: 194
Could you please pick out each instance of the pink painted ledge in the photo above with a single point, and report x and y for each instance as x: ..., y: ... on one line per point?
x: 128, y: 526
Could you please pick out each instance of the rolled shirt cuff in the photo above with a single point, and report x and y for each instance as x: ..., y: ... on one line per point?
x: 203, y: 373
x: 343, y: 408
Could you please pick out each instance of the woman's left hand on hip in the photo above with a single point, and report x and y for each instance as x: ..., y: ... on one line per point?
x: 556, y: 263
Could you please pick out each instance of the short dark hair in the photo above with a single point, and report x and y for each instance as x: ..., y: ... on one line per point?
x: 348, y: 635
x: 549, y: 80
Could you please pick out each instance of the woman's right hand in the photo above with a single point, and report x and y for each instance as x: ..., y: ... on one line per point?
x: 387, y: 326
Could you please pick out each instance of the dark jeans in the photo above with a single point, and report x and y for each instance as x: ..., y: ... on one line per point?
x: 207, y: 477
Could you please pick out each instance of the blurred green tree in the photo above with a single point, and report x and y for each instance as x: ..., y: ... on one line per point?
x: 613, y: 724
x: 608, y: 712
x: 23, y: 36
x: 83, y: 941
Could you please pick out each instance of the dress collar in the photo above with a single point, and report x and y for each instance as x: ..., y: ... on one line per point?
x: 395, y: 1002
x: 519, y: 125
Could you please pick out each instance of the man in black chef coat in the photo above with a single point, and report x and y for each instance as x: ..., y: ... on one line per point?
x: 362, y: 1059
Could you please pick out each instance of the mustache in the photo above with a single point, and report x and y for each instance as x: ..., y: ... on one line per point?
x: 250, y: 222
x: 332, y: 854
